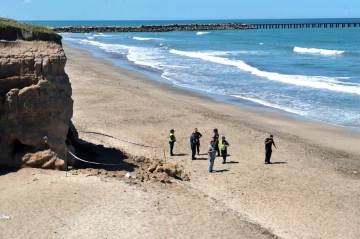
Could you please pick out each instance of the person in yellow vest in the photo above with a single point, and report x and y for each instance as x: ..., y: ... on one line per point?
x: 172, y: 140
x: 223, y: 148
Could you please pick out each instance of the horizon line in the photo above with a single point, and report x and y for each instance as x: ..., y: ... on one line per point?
x: 200, y: 19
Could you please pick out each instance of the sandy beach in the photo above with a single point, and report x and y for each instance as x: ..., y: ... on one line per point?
x: 301, y: 195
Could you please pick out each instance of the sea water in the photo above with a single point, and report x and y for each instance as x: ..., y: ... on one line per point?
x: 314, y: 73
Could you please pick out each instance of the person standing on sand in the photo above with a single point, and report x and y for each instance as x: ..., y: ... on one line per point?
x: 198, y: 135
x: 193, y: 143
x: 216, y: 141
x: 172, y: 140
x: 211, y: 154
x: 223, y: 147
x: 268, y: 148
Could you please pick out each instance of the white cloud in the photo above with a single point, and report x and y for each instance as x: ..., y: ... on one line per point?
x: 27, y: 1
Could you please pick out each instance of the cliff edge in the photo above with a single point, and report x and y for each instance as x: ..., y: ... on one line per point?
x: 35, y: 97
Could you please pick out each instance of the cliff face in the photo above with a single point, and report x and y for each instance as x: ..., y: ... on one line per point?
x: 35, y: 103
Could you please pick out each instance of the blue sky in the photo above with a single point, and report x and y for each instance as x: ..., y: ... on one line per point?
x: 176, y: 9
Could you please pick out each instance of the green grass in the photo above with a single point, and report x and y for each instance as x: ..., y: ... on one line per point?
x: 4, y: 22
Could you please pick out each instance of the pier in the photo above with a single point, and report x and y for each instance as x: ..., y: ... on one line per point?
x: 305, y: 25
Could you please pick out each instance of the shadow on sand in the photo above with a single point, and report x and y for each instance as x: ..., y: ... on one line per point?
x: 232, y: 162
x: 278, y: 163
x: 200, y: 159
x: 3, y: 172
x: 179, y: 155
x: 97, y: 154
x: 221, y: 170
x: 100, y: 154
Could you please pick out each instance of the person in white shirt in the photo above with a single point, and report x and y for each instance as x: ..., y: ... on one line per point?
x: 212, y: 155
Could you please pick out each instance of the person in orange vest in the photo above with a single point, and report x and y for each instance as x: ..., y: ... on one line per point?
x: 172, y: 140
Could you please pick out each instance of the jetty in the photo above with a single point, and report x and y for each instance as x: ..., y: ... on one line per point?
x: 155, y: 28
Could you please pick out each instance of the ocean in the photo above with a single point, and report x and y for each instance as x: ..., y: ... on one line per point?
x: 311, y: 73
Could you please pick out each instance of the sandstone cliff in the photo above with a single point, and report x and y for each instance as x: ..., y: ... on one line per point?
x: 35, y: 99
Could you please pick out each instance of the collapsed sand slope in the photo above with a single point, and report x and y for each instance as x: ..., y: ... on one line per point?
x: 96, y: 160
x: 145, y: 170
x: 305, y: 197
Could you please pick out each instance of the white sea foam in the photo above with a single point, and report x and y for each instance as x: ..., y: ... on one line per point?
x: 145, y: 38
x: 226, y: 53
x: 102, y: 35
x: 116, y: 48
x: 268, y: 104
x: 317, y: 51
x: 138, y: 55
x: 319, y: 82
x: 261, y: 43
x: 90, y: 38
x: 202, y: 33
x: 145, y: 56
x: 182, y: 67
x: 70, y: 39
x: 165, y: 76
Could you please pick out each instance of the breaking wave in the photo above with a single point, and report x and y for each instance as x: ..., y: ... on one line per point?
x: 319, y: 82
x: 317, y: 51
x: 262, y: 102
x: 202, y: 33
x: 145, y: 38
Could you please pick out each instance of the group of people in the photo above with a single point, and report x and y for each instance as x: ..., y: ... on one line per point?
x: 217, y: 146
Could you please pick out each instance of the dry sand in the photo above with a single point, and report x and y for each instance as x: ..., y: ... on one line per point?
x: 302, y: 196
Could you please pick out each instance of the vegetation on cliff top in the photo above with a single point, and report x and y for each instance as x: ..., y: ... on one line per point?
x: 4, y: 22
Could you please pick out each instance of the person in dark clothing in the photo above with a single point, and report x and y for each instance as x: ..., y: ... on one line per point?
x: 268, y: 148
x: 216, y: 141
x: 172, y: 140
x: 193, y: 142
x: 223, y: 147
x: 198, y: 135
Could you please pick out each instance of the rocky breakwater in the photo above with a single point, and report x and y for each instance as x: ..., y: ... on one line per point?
x: 156, y: 28
x: 35, y: 97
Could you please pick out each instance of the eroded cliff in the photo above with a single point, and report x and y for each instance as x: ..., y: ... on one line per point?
x: 35, y: 100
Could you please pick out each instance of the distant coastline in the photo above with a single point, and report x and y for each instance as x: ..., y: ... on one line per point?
x: 170, y: 26
x: 154, y: 28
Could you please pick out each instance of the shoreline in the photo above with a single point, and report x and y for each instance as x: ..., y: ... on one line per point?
x: 253, y: 113
x: 155, y: 75
x: 284, y: 198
